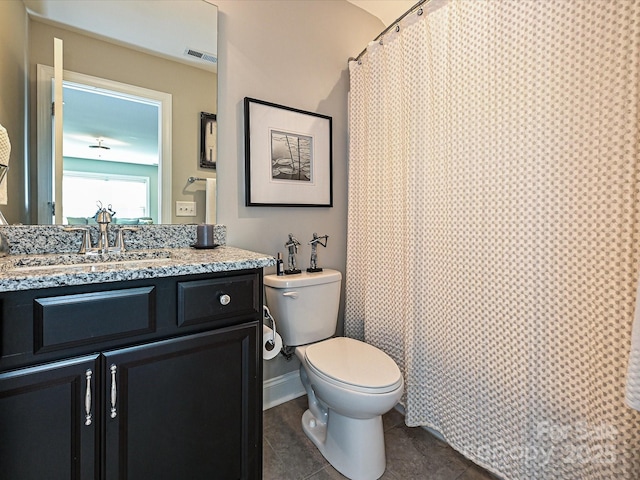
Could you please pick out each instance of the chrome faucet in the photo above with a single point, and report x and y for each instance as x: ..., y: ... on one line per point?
x: 86, y: 248
x: 103, y: 217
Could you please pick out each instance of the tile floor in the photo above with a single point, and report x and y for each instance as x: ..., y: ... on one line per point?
x: 412, y: 453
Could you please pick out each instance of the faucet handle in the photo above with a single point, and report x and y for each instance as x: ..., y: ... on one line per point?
x: 4, y: 245
x: 119, y: 245
x: 85, y: 246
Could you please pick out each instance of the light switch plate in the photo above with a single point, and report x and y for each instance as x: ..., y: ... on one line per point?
x: 185, y: 209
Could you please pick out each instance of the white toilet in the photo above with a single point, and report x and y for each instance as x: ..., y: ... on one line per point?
x: 350, y: 384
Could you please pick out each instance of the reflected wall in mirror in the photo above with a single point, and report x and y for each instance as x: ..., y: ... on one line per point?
x: 168, y: 46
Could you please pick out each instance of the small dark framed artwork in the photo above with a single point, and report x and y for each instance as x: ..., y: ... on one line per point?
x: 208, y: 140
x: 288, y: 156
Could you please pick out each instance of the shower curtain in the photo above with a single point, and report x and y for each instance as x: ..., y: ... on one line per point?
x: 493, y: 227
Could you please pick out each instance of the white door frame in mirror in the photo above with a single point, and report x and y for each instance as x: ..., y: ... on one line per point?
x: 45, y: 141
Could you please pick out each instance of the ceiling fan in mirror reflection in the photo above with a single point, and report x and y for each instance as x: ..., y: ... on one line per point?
x: 100, y: 146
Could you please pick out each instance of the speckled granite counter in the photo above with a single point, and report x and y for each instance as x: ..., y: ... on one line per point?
x: 37, y: 239
x: 25, y: 271
x: 168, y: 263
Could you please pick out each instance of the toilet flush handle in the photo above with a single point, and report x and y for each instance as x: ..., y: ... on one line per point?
x: 290, y: 294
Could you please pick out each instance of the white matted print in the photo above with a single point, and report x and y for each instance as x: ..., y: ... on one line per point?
x: 288, y: 156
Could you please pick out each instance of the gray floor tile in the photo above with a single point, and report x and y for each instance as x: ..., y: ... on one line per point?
x: 291, y: 448
x: 391, y: 419
x: 330, y: 473
x: 327, y: 473
x: 475, y: 472
x: 412, y: 452
x: 272, y: 466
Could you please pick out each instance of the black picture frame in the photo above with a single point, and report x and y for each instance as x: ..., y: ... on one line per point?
x: 288, y: 156
x: 208, y: 140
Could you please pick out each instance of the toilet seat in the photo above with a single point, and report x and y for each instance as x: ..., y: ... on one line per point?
x: 354, y: 365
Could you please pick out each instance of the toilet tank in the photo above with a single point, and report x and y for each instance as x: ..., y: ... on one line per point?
x: 304, y: 305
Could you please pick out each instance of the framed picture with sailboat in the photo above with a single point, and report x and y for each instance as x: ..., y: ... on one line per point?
x: 288, y: 156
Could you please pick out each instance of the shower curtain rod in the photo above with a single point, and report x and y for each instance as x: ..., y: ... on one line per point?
x: 394, y: 24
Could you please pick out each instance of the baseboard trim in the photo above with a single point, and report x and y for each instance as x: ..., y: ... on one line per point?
x: 281, y: 389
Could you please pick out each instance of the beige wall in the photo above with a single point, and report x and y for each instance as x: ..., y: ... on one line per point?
x: 193, y: 91
x: 13, y: 58
x: 294, y: 54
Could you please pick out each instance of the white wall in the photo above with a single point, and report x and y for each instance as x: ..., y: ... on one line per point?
x: 291, y: 53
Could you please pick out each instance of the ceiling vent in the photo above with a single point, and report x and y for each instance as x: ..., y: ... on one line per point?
x: 204, y: 56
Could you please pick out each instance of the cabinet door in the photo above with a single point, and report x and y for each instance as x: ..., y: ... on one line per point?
x: 188, y: 407
x: 47, y: 421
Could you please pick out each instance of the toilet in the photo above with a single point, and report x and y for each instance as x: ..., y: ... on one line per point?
x: 349, y: 384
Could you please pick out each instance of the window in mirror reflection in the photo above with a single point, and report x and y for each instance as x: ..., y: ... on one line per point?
x: 128, y: 196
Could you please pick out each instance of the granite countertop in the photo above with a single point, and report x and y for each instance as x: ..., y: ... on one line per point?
x: 26, y: 272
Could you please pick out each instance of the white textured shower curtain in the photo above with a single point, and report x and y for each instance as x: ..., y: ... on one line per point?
x: 493, y: 227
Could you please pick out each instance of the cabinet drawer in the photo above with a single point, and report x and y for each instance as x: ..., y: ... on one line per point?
x: 90, y: 318
x: 217, y: 299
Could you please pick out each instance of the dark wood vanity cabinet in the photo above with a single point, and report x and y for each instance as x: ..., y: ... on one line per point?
x: 44, y: 430
x: 182, y: 408
x: 176, y: 396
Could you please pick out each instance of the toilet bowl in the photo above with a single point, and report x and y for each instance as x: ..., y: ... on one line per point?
x: 350, y: 384
x: 346, y: 403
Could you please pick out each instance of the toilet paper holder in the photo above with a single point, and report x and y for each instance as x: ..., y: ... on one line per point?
x: 267, y: 314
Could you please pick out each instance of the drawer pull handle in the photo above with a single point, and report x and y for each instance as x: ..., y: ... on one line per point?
x: 87, y: 398
x: 225, y: 299
x: 114, y: 393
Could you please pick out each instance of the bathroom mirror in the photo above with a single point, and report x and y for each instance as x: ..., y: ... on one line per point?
x: 168, y: 47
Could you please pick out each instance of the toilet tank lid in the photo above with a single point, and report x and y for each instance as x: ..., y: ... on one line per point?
x: 302, y: 279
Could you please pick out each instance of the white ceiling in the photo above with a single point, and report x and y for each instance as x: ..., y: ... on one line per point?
x: 166, y: 28
x: 128, y: 128
x: 387, y: 11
